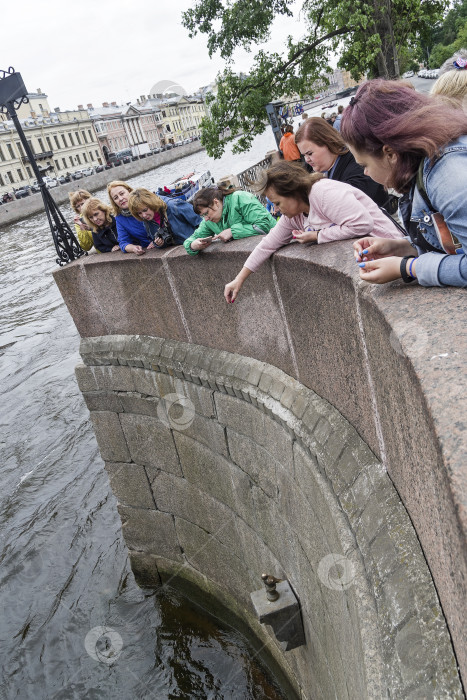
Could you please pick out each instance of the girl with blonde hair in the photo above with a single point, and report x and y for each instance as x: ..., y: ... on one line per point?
x: 83, y: 233
x: 132, y: 236
x: 452, y: 81
x: 98, y: 216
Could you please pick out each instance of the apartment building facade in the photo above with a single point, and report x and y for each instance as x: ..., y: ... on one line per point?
x: 121, y: 127
x: 180, y: 116
x: 61, y: 141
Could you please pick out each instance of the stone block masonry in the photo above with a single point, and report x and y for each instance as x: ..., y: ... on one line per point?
x: 388, y: 359
x: 224, y: 468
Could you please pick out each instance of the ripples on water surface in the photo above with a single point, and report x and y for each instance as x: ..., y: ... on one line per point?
x: 64, y: 566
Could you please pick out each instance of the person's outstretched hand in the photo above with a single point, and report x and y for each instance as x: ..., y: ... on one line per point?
x: 231, y: 291
x: 201, y: 243
x: 374, y: 248
x: 224, y: 236
x: 381, y: 271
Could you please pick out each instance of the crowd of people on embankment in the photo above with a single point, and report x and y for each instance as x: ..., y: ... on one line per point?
x: 332, y: 185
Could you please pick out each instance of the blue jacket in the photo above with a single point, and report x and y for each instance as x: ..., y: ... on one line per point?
x: 444, y: 182
x: 130, y: 230
x: 182, y: 219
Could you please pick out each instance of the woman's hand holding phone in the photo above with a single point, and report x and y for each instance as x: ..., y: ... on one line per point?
x: 201, y: 243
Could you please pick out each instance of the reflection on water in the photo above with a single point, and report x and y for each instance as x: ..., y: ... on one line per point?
x: 64, y: 567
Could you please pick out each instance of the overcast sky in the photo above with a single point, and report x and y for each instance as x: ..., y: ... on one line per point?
x: 109, y: 50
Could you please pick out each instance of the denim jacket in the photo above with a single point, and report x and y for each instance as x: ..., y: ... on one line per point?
x: 182, y: 218
x: 444, y: 182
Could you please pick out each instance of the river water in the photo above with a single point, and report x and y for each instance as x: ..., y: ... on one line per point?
x: 74, y: 623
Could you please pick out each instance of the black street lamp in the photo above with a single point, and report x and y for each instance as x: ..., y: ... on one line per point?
x: 13, y: 94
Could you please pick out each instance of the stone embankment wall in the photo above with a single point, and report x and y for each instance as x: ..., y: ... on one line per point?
x: 321, y: 440
x: 20, y: 208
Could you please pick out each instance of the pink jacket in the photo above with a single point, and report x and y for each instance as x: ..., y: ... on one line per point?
x: 337, y: 210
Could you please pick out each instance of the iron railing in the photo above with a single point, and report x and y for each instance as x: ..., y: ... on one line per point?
x: 13, y: 94
x: 250, y: 176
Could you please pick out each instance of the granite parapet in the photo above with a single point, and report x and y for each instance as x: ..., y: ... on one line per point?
x: 390, y: 360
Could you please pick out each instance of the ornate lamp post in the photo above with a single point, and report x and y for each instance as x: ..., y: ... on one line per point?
x: 13, y: 94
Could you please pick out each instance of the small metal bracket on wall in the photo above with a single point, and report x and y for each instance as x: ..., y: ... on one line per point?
x: 278, y: 607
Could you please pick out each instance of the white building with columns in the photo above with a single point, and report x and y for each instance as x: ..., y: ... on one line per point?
x: 120, y: 127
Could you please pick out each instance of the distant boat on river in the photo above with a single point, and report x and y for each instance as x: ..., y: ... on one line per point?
x: 186, y: 186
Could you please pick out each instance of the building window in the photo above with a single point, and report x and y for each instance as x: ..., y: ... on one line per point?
x: 49, y: 143
x: 78, y: 160
x: 57, y: 166
x: 2, y: 157
x: 28, y: 170
x: 41, y: 145
x: 20, y: 148
x: 64, y: 162
x: 70, y: 136
x: 85, y: 137
x: 64, y: 141
x: 30, y: 145
x: 2, y: 183
x: 90, y: 135
x: 85, y: 158
x: 20, y: 174
x: 10, y: 150
x: 10, y: 176
x: 71, y: 160
x: 97, y: 154
x: 78, y: 138
x: 57, y: 141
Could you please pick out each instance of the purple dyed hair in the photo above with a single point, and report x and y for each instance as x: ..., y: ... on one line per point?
x: 414, y: 126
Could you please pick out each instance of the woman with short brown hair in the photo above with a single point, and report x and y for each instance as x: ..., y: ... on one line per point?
x: 325, y: 152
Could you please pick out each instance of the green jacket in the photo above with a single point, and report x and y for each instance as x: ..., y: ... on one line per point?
x: 242, y: 213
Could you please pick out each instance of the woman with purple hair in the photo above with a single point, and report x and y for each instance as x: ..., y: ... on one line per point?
x: 417, y: 145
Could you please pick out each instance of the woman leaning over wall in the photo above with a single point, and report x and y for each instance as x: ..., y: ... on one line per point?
x: 132, y: 235
x: 314, y: 210
x: 227, y: 214
x: 417, y: 145
x: 98, y: 216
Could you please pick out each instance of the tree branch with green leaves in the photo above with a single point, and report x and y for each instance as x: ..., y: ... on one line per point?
x: 367, y: 35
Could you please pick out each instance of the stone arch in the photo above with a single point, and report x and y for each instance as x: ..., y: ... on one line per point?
x: 258, y: 472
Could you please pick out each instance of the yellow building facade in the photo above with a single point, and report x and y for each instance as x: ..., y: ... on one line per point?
x: 62, y: 142
x: 181, y: 118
